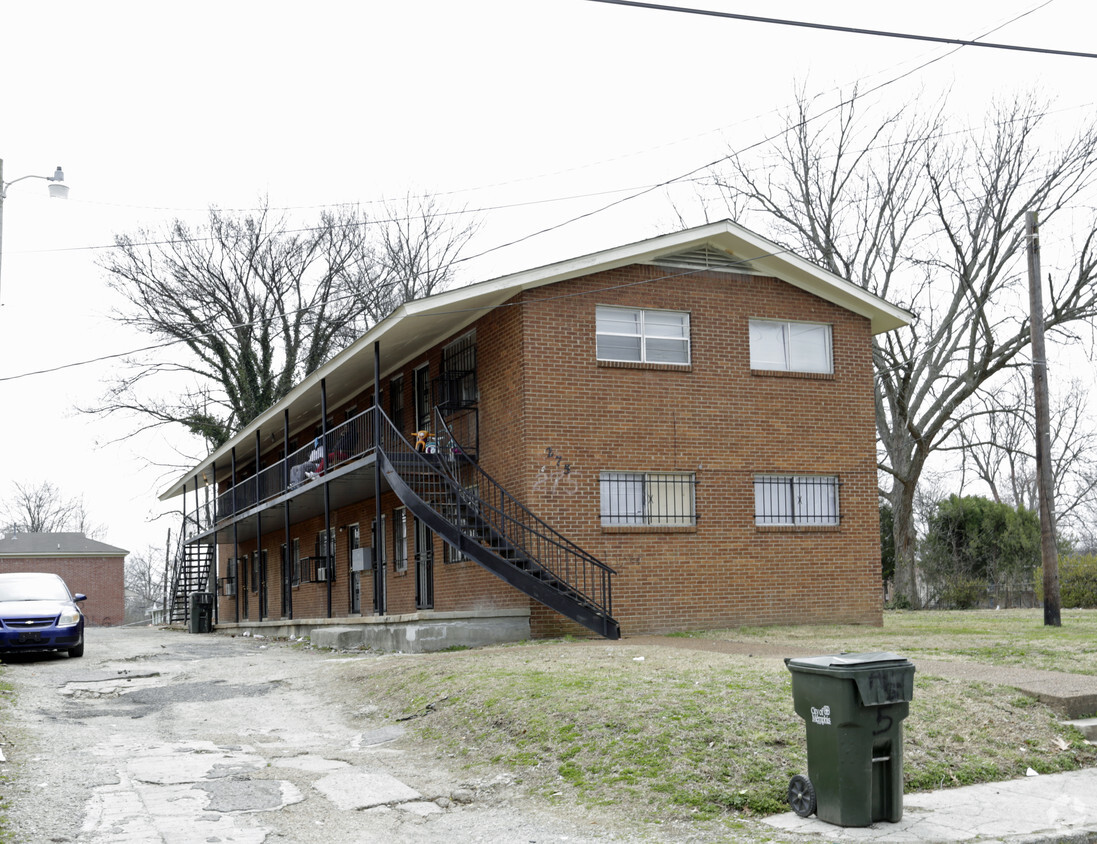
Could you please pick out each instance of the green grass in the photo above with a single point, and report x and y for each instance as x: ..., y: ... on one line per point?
x: 671, y: 734
x: 996, y: 637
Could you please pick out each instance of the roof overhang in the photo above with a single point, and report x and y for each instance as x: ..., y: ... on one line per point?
x: 417, y: 325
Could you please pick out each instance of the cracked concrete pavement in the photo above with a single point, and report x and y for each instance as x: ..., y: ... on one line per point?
x: 162, y: 736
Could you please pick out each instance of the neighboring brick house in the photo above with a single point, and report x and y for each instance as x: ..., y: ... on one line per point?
x: 86, y: 565
x: 694, y: 412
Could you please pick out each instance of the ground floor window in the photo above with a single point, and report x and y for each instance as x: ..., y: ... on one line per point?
x: 399, y: 540
x: 659, y: 499
x: 325, y: 556
x: 796, y: 500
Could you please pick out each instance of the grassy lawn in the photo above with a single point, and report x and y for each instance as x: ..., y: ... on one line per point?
x: 668, y: 734
x: 995, y: 637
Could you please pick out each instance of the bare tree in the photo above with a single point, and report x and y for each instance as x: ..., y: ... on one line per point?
x: 250, y: 305
x: 144, y: 580
x: 931, y: 220
x: 997, y: 445
x: 43, y: 508
x: 419, y: 245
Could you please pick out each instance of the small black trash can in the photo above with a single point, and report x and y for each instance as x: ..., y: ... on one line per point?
x: 201, y: 612
x: 853, y: 706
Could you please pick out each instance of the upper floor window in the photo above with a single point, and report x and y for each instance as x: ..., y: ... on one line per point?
x: 790, y: 346
x: 457, y: 384
x: 642, y: 336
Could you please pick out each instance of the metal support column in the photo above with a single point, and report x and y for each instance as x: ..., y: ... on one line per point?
x: 235, y: 545
x: 259, y: 569
x: 287, y: 564
x: 379, y: 562
x: 329, y: 559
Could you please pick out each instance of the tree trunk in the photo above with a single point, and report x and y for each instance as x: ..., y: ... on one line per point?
x: 906, y: 578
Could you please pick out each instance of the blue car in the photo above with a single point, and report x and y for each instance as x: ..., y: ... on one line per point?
x: 39, y: 613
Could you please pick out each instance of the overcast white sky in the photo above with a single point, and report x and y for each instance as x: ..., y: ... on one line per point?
x: 540, y: 110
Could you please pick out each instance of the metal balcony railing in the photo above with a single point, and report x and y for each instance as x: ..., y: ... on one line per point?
x: 346, y: 442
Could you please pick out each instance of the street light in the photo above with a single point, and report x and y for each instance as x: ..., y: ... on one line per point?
x: 57, y: 191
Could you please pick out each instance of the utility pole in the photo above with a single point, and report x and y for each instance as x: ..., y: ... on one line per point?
x: 1048, y: 552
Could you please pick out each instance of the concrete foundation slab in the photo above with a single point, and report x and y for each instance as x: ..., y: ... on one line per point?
x: 421, y: 632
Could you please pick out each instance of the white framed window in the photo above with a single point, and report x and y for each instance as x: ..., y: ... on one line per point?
x: 296, y: 562
x: 790, y: 346
x: 657, y: 499
x: 642, y: 336
x: 796, y: 500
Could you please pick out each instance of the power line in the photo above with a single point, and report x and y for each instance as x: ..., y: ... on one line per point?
x: 221, y: 330
x: 881, y: 33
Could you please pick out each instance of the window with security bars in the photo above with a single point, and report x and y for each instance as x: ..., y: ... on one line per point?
x: 657, y: 499
x: 796, y: 500
x: 639, y: 335
x: 456, y: 387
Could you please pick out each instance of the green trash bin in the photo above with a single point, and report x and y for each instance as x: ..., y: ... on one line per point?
x: 201, y: 612
x: 853, y: 706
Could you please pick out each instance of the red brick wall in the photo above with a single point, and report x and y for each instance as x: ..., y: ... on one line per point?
x: 725, y: 424
x: 100, y: 578
x: 542, y: 389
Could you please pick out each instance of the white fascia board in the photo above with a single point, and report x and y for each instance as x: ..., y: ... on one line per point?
x: 770, y: 259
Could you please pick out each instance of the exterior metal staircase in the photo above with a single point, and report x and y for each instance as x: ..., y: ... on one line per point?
x: 189, y: 574
x: 461, y: 503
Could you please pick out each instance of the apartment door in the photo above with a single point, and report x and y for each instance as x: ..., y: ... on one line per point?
x: 242, y: 587
x: 264, y: 592
x: 421, y: 390
x: 424, y: 567
x: 355, y: 579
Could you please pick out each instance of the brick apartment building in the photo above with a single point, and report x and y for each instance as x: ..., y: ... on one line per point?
x: 673, y: 434
x: 86, y: 565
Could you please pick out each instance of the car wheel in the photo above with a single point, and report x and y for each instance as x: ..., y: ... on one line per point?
x: 77, y: 651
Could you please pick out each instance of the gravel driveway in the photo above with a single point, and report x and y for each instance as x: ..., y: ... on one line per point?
x: 162, y: 736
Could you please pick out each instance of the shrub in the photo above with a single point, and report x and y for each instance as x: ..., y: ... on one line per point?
x: 1077, y: 581
x: 963, y: 593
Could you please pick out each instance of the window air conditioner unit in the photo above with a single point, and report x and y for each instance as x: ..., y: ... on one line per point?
x: 230, y: 590
x: 361, y: 559
x: 321, y: 574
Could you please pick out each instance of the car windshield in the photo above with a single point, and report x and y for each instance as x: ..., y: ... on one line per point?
x: 33, y: 589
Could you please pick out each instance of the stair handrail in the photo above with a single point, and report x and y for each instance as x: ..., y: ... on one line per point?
x: 178, y: 572
x: 593, y: 573
x: 458, y: 454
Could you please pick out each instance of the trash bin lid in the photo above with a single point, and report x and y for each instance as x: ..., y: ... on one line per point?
x: 830, y: 663
x: 881, y: 677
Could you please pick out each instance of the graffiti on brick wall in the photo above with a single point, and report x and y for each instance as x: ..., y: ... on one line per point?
x: 556, y: 475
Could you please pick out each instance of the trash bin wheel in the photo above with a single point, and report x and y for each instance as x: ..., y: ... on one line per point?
x: 801, y: 796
